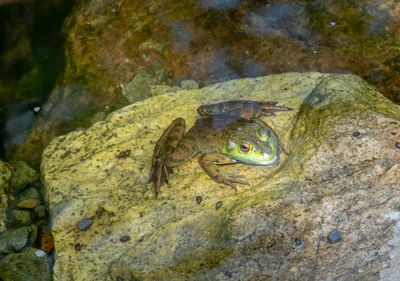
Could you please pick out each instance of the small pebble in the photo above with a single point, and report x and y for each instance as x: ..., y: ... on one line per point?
x: 84, y: 224
x: 228, y: 274
x: 298, y: 242
x: 124, y: 154
x: 125, y: 238
x: 332, y: 23
x: 356, y: 134
x: 189, y: 84
x: 335, y: 236
x: 199, y: 199
x: 398, y: 144
x: 28, y: 203
x: 218, y: 205
x: 40, y: 253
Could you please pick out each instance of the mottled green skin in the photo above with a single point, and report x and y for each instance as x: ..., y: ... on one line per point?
x: 230, y: 132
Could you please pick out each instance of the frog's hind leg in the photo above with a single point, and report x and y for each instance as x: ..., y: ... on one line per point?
x: 164, y: 147
x: 270, y: 107
x: 209, y: 164
x: 186, y: 149
x: 242, y: 108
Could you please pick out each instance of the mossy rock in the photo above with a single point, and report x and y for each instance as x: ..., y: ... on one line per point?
x: 23, y: 176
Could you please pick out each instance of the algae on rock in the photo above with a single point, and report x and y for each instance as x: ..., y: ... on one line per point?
x: 101, y: 173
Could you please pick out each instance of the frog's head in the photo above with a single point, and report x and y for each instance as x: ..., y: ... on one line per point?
x: 253, y: 143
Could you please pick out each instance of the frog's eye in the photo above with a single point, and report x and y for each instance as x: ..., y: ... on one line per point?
x: 244, y: 146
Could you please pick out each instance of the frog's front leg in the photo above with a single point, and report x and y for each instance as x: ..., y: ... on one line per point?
x: 209, y: 164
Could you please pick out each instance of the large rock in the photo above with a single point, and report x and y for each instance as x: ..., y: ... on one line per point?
x: 342, y: 174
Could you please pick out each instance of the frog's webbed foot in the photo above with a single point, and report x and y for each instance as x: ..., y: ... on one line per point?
x: 209, y: 164
x: 163, y: 149
x: 270, y: 107
x: 242, y: 108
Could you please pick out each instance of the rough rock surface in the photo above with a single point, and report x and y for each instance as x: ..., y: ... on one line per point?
x: 342, y: 172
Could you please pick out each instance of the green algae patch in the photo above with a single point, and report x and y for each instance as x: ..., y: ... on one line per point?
x: 101, y: 174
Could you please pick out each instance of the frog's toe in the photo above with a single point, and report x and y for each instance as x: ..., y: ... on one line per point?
x: 231, y: 181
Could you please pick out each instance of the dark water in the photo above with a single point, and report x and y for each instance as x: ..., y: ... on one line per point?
x: 31, y: 58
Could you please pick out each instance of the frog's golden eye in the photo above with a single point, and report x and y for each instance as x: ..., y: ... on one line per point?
x: 244, y: 146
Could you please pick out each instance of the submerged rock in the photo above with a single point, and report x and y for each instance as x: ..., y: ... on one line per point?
x: 23, y: 176
x: 30, y: 265
x: 330, y: 179
x: 6, y: 172
x: 20, y: 217
x: 14, y: 240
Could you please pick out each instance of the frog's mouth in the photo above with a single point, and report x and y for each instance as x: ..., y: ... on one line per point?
x: 267, y: 162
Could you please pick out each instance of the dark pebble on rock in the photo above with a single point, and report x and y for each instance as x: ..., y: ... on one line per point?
x: 228, y: 274
x: 124, y: 154
x: 199, y: 199
x: 218, y: 205
x: 298, y: 242
x: 335, y: 236
x: 84, y: 224
x: 356, y: 134
x: 125, y: 238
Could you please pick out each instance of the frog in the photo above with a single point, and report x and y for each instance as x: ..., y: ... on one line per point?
x: 226, y: 133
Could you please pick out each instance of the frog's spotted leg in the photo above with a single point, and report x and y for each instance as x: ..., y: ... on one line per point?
x: 242, y: 108
x: 209, y: 164
x: 171, y: 149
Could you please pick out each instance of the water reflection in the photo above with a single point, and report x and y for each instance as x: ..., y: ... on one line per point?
x: 219, y: 68
x: 20, y: 119
x: 220, y: 4
x: 381, y: 17
x: 279, y: 20
x: 181, y: 35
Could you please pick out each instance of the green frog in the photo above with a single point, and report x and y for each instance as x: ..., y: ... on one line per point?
x: 228, y: 132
